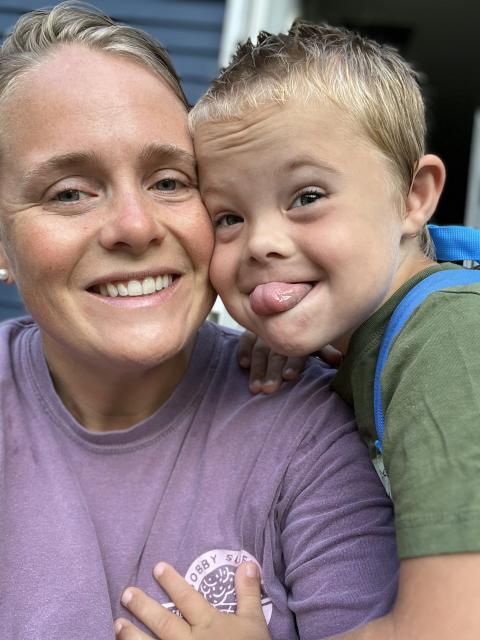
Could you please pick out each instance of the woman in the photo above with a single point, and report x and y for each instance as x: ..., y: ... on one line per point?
x: 123, y: 419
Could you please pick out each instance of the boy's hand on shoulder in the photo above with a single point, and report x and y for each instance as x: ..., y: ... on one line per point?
x: 267, y: 369
x: 200, y: 620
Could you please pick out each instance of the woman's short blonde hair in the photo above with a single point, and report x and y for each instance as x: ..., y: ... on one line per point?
x: 37, y: 33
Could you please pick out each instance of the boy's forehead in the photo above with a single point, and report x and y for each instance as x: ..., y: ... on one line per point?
x: 293, y: 125
x: 233, y: 130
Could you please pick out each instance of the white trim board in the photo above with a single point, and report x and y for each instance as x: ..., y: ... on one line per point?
x: 472, y: 210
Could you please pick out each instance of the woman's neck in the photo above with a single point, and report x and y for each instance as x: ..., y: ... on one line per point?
x: 110, y: 398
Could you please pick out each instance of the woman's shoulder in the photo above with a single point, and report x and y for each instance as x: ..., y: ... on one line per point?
x: 13, y: 328
x: 308, y: 405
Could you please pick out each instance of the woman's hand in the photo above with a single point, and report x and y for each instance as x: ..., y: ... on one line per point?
x: 267, y: 369
x: 200, y: 620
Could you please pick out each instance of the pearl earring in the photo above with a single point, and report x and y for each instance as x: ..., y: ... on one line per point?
x: 3, y: 275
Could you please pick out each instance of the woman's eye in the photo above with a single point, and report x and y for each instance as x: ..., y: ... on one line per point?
x: 168, y: 184
x: 69, y: 195
x: 306, y: 198
x: 228, y: 220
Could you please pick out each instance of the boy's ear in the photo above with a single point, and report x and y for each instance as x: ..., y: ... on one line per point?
x: 427, y: 186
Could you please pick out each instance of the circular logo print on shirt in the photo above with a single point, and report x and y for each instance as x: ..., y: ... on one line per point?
x: 213, y: 574
x: 218, y: 588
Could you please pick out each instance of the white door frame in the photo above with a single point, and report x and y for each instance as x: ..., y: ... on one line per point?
x: 472, y: 210
x: 245, y: 18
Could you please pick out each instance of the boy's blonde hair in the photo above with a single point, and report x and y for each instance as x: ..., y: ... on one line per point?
x: 371, y: 83
x: 38, y: 33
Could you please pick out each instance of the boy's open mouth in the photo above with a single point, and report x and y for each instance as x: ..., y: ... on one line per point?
x: 275, y: 297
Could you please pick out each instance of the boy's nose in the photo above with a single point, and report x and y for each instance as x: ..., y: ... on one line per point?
x: 132, y: 225
x: 269, y: 239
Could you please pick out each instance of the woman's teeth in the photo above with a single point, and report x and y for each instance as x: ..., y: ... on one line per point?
x: 135, y: 287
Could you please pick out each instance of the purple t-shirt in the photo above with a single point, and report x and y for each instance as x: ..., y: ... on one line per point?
x: 215, y: 476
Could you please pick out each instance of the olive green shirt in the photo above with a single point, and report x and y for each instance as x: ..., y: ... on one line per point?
x: 431, y: 400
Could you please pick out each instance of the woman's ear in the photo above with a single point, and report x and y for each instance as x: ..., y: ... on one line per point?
x: 6, y: 275
x: 427, y: 186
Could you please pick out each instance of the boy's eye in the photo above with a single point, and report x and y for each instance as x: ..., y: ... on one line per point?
x: 307, y: 197
x: 227, y: 220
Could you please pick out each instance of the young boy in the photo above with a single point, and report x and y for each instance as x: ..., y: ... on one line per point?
x: 312, y: 165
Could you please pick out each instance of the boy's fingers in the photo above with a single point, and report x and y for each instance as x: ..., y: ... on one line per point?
x: 245, y: 347
x: 156, y: 617
x: 258, y: 366
x: 248, y: 590
x: 280, y: 368
x: 273, y: 376
x: 193, y: 606
x: 125, y: 630
x: 293, y: 367
x: 331, y: 356
x: 267, y: 369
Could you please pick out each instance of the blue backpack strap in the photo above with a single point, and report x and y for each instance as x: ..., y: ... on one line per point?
x: 455, y: 243
x: 413, y: 299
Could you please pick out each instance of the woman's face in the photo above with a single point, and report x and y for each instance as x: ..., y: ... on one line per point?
x: 102, y: 226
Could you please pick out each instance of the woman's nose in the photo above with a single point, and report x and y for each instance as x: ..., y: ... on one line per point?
x: 132, y: 225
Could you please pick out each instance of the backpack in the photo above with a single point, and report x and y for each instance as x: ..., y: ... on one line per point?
x: 452, y: 244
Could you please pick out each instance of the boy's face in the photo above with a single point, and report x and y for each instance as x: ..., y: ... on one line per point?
x: 309, y: 237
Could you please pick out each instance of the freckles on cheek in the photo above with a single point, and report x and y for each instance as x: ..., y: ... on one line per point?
x: 41, y: 253
x: 38, y: 265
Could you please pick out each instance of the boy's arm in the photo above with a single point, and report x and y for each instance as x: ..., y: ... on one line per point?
x: 432, y: 448
x: 437, y: 600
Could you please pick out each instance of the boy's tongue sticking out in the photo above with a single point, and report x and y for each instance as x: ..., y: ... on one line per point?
x: 275, y: 297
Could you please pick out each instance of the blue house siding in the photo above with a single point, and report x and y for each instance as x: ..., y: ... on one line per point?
x: 10, y: 303
x: 189, y: 29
